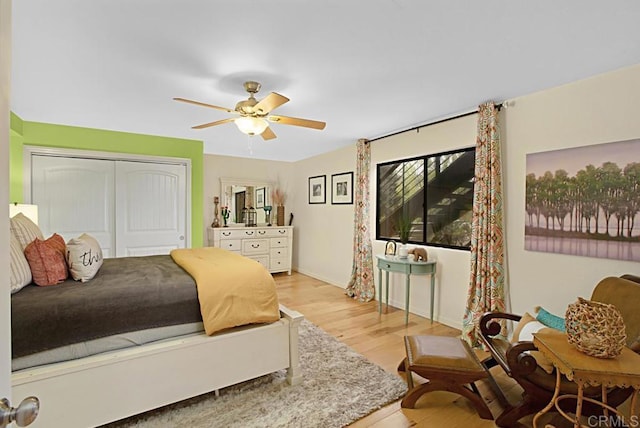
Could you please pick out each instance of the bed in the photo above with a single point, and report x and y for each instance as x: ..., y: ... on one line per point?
x: 138, y: 342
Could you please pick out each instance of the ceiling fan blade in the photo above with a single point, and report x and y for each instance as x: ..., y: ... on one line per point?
x: 198, y: 103
x: 286, y: 120
x: 217, y: 122
x: 270, y: 102
x: 268, y: 134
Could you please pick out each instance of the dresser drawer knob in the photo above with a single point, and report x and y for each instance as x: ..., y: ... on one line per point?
x: 388, y: 266
x: 255, y: 245
x: 262, y: 232
x: 248, y: 233
x: 282, y: 231
x: 226, y: 233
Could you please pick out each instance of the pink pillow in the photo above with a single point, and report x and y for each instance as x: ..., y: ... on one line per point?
x: 46, y: 260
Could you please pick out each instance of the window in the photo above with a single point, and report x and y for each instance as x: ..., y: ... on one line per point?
x: 433, y: 192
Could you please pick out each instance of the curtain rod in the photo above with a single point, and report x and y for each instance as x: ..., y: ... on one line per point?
x: 498, y: 106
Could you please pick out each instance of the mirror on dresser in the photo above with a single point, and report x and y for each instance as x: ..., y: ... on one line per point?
x: 237, y: 193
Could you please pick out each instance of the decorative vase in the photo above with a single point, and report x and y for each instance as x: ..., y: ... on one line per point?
x: 403, y: 251
x: 280, y: 215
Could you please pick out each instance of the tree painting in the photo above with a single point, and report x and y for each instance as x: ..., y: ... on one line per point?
x: 585, y: 201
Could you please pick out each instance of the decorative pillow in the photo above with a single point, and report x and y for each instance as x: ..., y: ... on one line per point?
x: 549, y: 319
x: 24, y: 230
x: 46, y: 260
x: 19, y: 271
x: 524, y: 332
x: 526, y: 319
x: 84, y: 257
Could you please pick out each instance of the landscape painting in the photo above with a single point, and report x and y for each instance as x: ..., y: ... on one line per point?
x: 585, y: 201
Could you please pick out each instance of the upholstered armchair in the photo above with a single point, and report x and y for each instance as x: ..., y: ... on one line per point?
x: 518, y: 362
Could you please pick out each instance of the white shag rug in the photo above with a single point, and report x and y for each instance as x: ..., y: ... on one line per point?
x: 339, y: 387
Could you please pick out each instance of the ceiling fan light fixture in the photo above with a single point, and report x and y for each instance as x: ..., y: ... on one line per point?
x: 251, y: 125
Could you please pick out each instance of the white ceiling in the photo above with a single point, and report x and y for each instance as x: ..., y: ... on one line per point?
x: 366, y: 67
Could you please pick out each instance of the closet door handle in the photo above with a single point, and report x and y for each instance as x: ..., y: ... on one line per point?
x: 23, y: 415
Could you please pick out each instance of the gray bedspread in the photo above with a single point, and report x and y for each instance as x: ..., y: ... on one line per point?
x: 127, y: 294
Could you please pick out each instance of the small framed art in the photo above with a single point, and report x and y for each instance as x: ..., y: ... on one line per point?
x: 317, y: 189
x: 342, y: 188
x: 260, y: 197
x: 390, y: 248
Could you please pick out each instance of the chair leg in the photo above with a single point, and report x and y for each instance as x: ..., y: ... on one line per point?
x: 510, y: 417
x: 497, y: 391
x: 414, y: 394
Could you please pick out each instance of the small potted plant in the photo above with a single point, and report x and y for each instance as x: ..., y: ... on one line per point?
x: 404, y: 230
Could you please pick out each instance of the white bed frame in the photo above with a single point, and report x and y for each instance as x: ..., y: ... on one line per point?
x: 104, y: 388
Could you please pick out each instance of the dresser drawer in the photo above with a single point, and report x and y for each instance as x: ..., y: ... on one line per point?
x: 279, y: 264
x: 275, y: 231
x: 279, y: 242
x: 231, y: 244
x: 279, y: 253
x: 255, y: 246
x: 263, y: 260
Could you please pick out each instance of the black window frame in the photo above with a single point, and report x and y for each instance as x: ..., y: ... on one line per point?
x: 425, y: 158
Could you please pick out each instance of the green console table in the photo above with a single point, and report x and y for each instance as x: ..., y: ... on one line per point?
x: 407, y: 267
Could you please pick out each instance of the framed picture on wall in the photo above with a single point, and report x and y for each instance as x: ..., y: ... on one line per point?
x: 317, y: 189
x: 342, y: 188
x: 260, y: 197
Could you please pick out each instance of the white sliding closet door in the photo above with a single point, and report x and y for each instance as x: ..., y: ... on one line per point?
x: 75, y: 196
x: 151, y: 208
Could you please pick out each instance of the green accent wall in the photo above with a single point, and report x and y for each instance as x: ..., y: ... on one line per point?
x: 70, y: 137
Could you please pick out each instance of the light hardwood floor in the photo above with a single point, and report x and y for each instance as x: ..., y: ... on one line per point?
x: 380, y: 339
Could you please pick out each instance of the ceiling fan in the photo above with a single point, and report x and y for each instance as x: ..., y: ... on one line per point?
x: 253, y: 116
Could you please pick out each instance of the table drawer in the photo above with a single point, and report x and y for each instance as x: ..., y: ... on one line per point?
x: 393, y: 266
x: 231, y: 244
x: 255, y: 246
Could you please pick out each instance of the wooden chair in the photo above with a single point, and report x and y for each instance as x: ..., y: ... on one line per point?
x: 538, y: 385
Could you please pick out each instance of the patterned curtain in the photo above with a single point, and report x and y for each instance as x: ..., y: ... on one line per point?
x: 361, y: 284
x: 486, y: 285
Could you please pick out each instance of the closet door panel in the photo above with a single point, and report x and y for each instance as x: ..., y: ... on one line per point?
x: 151, y: 208
x: 74, y: 196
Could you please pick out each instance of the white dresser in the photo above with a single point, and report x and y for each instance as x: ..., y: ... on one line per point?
x: 271, y: 246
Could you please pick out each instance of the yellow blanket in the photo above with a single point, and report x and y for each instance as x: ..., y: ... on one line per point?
x: 233, y: 290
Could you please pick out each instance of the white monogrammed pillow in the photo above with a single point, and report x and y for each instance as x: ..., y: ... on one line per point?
x: 84, y: 257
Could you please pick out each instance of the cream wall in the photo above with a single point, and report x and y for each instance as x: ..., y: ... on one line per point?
x: 323, y: 245
x: 601, y: 109
x: 326, y: 235
x: 452, y: 265
x: 216, y: 167
x: 597, y: 110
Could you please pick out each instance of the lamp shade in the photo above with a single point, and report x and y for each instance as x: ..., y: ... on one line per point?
x: 29, y: 211
x: 251, y: 125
